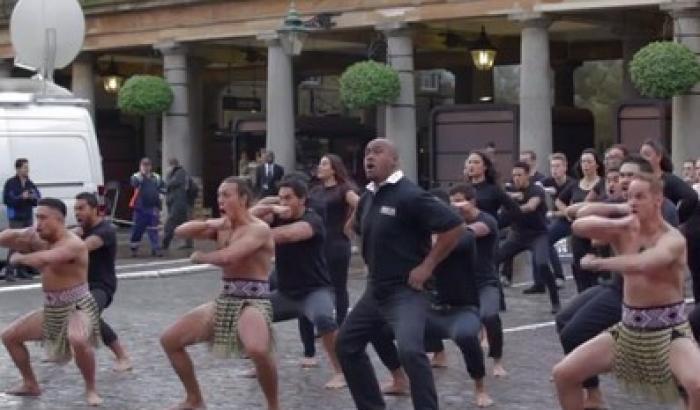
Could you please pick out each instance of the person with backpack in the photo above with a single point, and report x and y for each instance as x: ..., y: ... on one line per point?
x: 146, y: 204
x: 180, y: 193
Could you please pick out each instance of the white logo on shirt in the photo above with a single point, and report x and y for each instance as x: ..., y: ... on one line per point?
x: 387, y: 210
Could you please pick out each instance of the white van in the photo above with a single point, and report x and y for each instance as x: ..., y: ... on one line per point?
x: 50, y: 127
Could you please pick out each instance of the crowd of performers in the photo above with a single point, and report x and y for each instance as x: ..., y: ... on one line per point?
x: 437, y: 264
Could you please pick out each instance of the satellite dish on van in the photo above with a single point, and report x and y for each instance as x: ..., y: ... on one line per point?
x: 46, y: 34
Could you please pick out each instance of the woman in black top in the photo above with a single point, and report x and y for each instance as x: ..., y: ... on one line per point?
x: 686, y: 200
x: 480, y: 172
x: 590, y: 187
x: 336, y: 193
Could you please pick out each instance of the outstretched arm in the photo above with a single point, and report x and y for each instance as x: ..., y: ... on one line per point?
x: 22, y: 240
x: 59, y: 255
x: 603, y: 229
x: 294, y: 232
x: 603, y: 209
x: 669, y: 249
x: 255, y: 237
x: 200, y: 229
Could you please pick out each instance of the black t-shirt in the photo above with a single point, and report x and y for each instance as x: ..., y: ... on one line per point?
x: 531, y: 222
x: 101, y: 271
x: 537, y: 177
x: 485, y: 269
x: 681, y: 194
x: 396, y: 223
x: 336, y: 209
x: 301, y: 266
x: 573, y: 194
x: 550, y: 182
x: 490, y: 197
x: 454, y: 279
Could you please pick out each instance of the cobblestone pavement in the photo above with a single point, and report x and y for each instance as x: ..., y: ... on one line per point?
x: 144, y: 307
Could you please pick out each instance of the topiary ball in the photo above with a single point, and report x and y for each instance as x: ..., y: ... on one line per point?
x: 663, y: 69
x: 145, y: 95
x: 368, y: 84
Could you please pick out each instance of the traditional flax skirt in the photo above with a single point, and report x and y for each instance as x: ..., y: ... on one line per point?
x: 235, y: 297
x: 58, y: 307
x: 642, y: 349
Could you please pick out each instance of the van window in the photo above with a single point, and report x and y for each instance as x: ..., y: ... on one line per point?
x: 56, y: 160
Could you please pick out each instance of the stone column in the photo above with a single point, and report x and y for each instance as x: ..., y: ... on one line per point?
x: 401, y: 115
x: 633, y: 39
x: 83, y: 79
x: 686, y: 121
x: 196, y: 104
x: 280, y: 103
x: 177, y: 121
x: 5, y: 68
x: 535, y: 87
x: 564, y: 87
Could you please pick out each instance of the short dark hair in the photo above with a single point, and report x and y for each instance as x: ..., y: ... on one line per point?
x: 530, y: 153
x: 620, y: 147
x: 19, y: 162
x: 89, y: 198
x: 467, y: 191
x: 522, y: 164
x: 643, y: 164
x: 242, y: 188
x: 612, y: 169
x: 55, y: 204
x: 296, y: 184
x: 440, y: 194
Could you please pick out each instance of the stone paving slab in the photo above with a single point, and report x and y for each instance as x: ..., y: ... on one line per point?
x: 143, y: 308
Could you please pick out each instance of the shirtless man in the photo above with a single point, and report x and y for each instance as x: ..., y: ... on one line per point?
x: 241, y: 317
x: 650, y: 350
x: 70, y: 318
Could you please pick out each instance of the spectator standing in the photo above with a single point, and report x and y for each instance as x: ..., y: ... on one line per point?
x: 21, y: 196
x: 146, y: 204
x: 268, y: 175
x: 178, y: 184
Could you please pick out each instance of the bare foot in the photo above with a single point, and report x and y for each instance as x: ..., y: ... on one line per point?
x: 483, y: 400
x: 395, y: 387
x: 439, y: 360
x: 309, y: 362
x: 336, y: 382
x: 498, y: 370
x: 93, y: 399
x: 189, y: 405
x: 25, y: 390
x: 122, y: 365
x: 593, y: 399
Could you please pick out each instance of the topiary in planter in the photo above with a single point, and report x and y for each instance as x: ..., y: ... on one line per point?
x: 369, y: 83
x: 663, y: 69
x: 145, y: 95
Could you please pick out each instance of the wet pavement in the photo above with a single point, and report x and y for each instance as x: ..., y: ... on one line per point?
x: 144, y: 307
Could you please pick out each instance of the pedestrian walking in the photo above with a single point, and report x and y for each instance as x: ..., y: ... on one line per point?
x: 267, y: 176
x: 146, y: 204
x: 21, y: 197
x: 178, y: 185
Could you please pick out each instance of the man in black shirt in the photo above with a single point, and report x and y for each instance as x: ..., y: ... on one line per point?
x: 559, y: 226
x: 303, y: 284
x: 530, y: 158
x: 395, y: 219
x: 529, y: 230
x: 101, y: 239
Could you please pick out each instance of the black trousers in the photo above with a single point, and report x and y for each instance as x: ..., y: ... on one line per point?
x: 337, y: 253
x: 538, y: 244
x: 103, y: 300
x: 460, y: 324
x: 177, y: 215
x: 584, y: 278
x: 316, y: 306
x: 405, y: 311
x: 586, y: 316
x: 691, y: 231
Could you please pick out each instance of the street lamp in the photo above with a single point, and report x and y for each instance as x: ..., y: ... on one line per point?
x: 112, y: 81
x: 293, y: 33
x: 483, y: 53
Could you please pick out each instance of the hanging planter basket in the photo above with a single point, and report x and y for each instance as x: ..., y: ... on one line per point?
x: 664, y: 69
x: 368, y: 84
x: 145, y: 95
